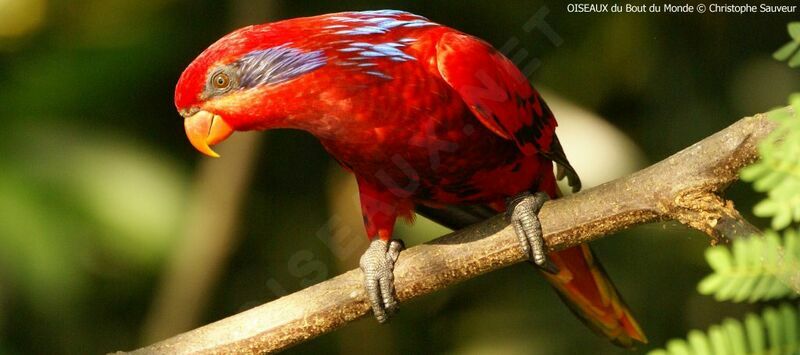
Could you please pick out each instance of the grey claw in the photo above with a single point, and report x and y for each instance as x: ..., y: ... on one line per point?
x: 550, y: 267
x: 377, y: 263
x: 522, y: 213
x: 395, y: 247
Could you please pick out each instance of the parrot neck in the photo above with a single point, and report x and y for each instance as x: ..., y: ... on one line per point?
x: 321, y: 126
x: 305, y: 107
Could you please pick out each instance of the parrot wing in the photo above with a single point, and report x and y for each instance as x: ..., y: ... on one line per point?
x: 501, y: 97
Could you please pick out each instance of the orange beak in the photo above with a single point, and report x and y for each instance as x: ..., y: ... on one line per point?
x: 205, y: 129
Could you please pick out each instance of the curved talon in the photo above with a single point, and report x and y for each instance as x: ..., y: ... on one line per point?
x: 522, y: 213
x: 377, y: 263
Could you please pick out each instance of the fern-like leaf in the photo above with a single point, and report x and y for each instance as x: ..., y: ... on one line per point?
x: 789, y: 51
x: 774, y: 332
x: 778, y: 171
x: 754, y: 269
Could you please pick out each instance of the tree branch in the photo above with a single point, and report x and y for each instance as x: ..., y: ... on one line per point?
x: 683, y: 187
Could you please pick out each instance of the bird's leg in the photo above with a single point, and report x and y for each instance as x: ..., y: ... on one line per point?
x: 377, y: 263
x: 522, y: 212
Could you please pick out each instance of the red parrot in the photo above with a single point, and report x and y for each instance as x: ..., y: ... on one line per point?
x: 429, y: 119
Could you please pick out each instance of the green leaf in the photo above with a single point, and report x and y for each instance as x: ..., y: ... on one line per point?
x: 718, y: 340
x: 774, y: 328
x: 754, y: 269
x: 773, y: 332
x: 790, y: 327
x: 778, y: 171
x: 678, y: 347
x: 755, y: 332
x: 794, y: 62
x: 766, y: 208
x: 785, y: 52
x: 794, y: 100
x: 699, y: 343
x: 753, y: 172
x: 736, y: 336
x: 782, y: 218
x: 794, y: 30
x: 719, y: 258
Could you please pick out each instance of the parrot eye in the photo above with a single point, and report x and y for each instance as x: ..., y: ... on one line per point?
x: 221, y: 81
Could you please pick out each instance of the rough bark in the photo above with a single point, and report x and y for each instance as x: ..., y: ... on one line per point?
x: 685, y: 187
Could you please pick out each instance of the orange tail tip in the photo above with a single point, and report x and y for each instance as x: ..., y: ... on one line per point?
x: 586, y: 289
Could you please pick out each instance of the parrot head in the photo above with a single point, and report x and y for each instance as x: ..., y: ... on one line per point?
x: 241, y: 81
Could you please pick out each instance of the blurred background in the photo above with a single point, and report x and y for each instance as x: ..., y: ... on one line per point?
x: 115, y: 233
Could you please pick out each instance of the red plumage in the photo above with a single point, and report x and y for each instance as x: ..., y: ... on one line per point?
x: 421, y: 113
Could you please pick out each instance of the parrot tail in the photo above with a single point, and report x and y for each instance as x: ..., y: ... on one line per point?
x: 586, y: 288
x: 581, y: 281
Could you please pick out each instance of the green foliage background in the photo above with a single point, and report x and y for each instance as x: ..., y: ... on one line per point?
x: 762, y: 267
x: 759, y: 268
x: 95, y: 172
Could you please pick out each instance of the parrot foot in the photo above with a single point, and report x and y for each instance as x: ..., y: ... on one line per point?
x: 522, y: 212
x: 377, y: 264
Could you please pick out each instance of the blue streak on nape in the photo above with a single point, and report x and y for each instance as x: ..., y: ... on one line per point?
x: 387, y: 23
x: 372, y: 54
x: 383, y: 27
x: 389, y: 50
x: 418, y: 23
x: 377, y: 22
x: 377, y: 19
x: 277, y: 65
x: 346, y: 19
x: 363, y: 30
